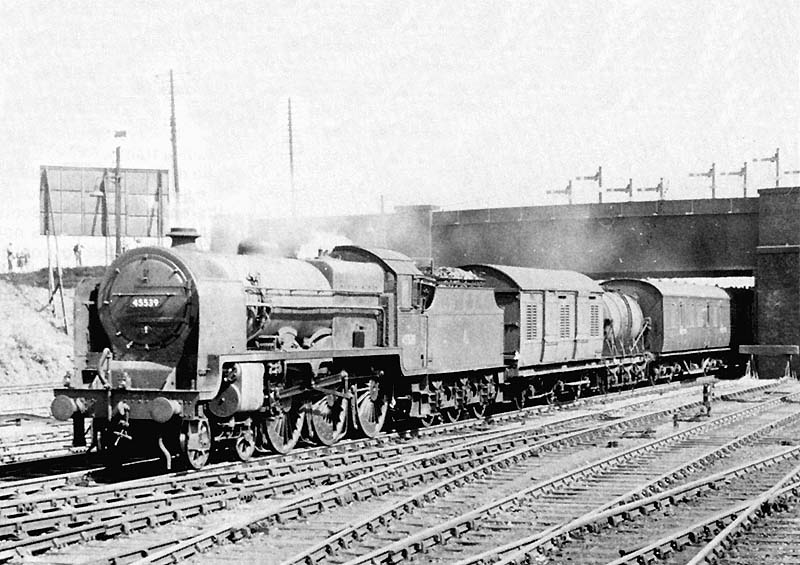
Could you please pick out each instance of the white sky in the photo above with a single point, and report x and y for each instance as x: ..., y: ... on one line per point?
x: 458, y: 104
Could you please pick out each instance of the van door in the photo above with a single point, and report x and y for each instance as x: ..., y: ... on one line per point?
x: 531, y: 330
x: 550, y: 321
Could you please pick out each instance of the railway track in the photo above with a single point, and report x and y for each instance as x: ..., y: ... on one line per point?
x: 54, y: 442
x: 19, y: 448
x: 263, y: 469
x: 767, y: 531
x: 339, y: 488
x: 11, y: 390
x: 41, y: 513
x: 655, y: 526
x: 33, y: 523
x: 12, y: 410
x: 711, y: 510
x: 602, y: 533
x: 556, y: 505
x: 453, y: 528
x: 23, y: 456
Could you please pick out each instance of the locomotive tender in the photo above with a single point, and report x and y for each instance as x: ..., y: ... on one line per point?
x: 191, y: 352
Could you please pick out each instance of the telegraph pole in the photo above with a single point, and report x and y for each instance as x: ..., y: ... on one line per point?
x: 291, y: 160
x: 174, y: 131
x: 117, y: 209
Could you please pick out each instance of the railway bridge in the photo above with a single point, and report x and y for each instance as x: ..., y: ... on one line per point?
x: 757, y: 237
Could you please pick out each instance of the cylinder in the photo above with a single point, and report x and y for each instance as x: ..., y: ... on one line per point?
x: 244, y: 394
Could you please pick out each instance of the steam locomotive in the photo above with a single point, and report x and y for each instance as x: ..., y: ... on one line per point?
x: 188, y: 352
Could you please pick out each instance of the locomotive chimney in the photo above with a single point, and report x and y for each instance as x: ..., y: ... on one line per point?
x: 183, y: 237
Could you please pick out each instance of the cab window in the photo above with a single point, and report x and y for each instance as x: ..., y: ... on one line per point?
x: 404, y: 292
x: 423, y: 294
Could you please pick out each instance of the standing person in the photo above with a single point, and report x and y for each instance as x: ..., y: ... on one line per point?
x: 707, y: 398
x: 78, y: 251
x: 10, y: 256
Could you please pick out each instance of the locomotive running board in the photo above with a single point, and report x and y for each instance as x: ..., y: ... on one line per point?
x: 306, y: 354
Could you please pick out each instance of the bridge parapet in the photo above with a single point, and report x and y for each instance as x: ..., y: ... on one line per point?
x: 665, y: 238
x: 719, y: 206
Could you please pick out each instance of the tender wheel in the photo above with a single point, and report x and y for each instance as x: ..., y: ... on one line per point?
x: 427, y: 421
x: 371, y: 409
x: 480, y: 398
x: 478, y: 409
x: 452, y: 414
x: 455, y: 412
x: 196, y: 443
x: 521, y: 399
x: 283, y: 429
x: 556, y: 393
x: 329, y: 419
x: 245, y: 446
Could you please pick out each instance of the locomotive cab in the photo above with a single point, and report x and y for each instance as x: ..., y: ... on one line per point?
x: 402, y: 298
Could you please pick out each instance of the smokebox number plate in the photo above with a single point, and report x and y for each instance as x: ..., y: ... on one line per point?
x: 145, y: 302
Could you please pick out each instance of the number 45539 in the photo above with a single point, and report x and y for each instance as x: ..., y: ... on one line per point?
x: 145, y: 302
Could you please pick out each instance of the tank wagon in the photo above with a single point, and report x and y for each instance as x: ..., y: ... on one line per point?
x: 186, y: 352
